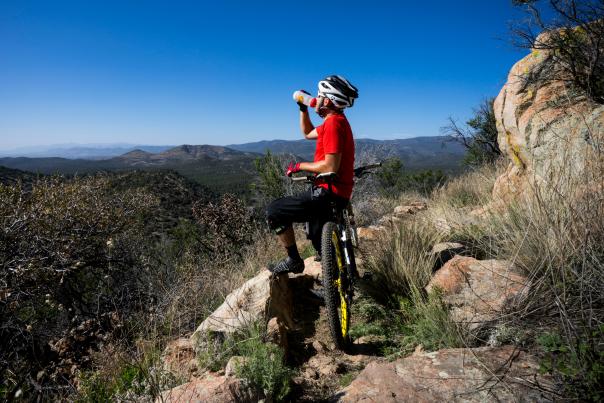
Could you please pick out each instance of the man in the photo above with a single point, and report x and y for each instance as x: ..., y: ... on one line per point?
x: 334, y: 153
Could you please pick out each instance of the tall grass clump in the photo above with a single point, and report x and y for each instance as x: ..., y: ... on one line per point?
x: 402, y: 261
x: 472, y: 189
x: 456, y: 208
x: 554, y: 233
x: 401, y: 266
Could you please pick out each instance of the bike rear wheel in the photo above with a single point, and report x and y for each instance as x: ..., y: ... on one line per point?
x: 335, y: 282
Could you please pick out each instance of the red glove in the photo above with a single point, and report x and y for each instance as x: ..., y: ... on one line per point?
x: 292, y: 168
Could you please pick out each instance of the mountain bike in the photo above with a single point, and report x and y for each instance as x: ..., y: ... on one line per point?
x: 338, y: 242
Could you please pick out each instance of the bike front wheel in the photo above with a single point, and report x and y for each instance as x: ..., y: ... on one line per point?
x: 335, y: 283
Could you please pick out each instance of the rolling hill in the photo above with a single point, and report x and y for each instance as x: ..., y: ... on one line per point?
x: 231, y: 168
x: 218, y: 167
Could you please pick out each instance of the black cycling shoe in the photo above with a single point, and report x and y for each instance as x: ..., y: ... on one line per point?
x: 288, y: 265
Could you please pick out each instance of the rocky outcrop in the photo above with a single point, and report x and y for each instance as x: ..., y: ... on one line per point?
x: 548, y: 132
x: 211, y: 389
x: 385, y: 223
x: 452, y: 375
x: 478, y: 291
x: 260, y: 298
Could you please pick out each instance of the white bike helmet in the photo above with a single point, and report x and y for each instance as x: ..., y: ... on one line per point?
x: 339, y: 91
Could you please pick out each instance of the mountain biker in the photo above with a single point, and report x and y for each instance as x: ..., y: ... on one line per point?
x: 334, y: 153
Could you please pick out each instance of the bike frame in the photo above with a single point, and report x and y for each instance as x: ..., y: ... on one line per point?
x: 343, y: 240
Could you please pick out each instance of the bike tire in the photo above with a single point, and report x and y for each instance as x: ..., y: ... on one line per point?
x: 337, y: 304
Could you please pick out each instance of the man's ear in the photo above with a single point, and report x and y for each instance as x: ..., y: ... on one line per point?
x: 326, y: 101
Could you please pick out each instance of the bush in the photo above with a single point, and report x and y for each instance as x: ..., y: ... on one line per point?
x: 426, y: 322
x: 394, y: 181
x: 573, y: 32
x: 402, y: 262
x: 271, y: 183
x: 227, y: 225
x: 262, y: 365
x: 479, y: 137
x: 70, y: 255
x: 580, y: 369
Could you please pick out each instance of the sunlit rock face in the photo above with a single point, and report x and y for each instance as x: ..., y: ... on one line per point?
x: 549, y: 131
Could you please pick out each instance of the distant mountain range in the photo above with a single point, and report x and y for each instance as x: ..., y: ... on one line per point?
x: 81, y: 151
x: 232, y: 167
x: 435, y: 152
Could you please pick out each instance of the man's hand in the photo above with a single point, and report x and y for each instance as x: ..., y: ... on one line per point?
x: 292, y: 168
x: 303, y: 108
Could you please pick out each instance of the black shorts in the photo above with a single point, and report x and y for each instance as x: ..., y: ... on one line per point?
x: 311, y: 206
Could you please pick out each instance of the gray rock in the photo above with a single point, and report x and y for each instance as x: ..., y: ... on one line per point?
x: 452, y: 375
x: 260, y: 298
x: 478, y: 291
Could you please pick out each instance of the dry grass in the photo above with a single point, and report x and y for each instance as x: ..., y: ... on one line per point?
x: 554, y: 233
x: 401, y: 260
x: 401, y: 266
x: 191, y: 288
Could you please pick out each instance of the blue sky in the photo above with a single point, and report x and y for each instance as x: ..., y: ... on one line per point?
x: 223, y: 72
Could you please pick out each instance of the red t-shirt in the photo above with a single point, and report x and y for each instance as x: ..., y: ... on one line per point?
x: 335, y: 137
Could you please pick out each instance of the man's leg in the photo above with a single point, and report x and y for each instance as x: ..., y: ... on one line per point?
x: 288, y: 240
x: 281, y: 213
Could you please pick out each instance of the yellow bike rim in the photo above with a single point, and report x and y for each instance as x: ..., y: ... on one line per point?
x: 338, y: 283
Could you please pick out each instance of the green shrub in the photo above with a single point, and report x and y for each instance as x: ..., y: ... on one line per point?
x: 264, y: 367
x: 579, y: 369
x: 263, y: 364
x: 347, y: 379
x: 71, y: 252
x: 394, y: 180
x: 479, y: 136
x: 215, y: 351
x: 427, y: 322
x: 271, y: 183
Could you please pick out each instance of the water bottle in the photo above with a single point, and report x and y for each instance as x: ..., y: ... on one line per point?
x: 305, y: 99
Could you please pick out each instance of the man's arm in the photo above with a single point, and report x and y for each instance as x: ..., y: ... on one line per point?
x: 307, y: 127
x: 331, y: 163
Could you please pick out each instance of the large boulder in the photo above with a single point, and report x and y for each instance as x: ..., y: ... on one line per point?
x: 548, y: 132
x: 260, y: 298
x: 478, y: 291
x: 452, y: 375
x: 211, y: 389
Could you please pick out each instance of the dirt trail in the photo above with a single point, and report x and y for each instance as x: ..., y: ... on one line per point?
x: 322, y: 370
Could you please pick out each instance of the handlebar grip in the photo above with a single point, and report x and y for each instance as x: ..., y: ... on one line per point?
x: 299, y: 178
